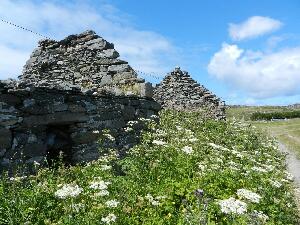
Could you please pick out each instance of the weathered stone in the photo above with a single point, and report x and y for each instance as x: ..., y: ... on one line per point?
x: 35, y: 149
x: 8, y: 120
x: 106, y: 80
x: 69, y: 92
x: 57, y: 118
x: 2, y: 152
x: 179, y: 91
x: 5, y: 138
x: 109, y: 53
x: 119, y: 68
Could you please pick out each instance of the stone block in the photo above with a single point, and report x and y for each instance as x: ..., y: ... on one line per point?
x: 119, y: 68
x: 55, y: 118
x: 5, y: 138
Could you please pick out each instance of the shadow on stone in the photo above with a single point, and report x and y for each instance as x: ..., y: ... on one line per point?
x: 58, y: 142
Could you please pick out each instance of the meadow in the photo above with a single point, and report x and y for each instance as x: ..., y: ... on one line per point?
x: 186, y: 170
x: 287, y: 131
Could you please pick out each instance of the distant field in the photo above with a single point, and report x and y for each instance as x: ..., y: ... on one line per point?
x: 246, y: 111
x: 286, y: 131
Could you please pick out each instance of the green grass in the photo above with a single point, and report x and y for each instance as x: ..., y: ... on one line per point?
x: 286, y: 131
x: 245, y: 112
x: 179, y: 174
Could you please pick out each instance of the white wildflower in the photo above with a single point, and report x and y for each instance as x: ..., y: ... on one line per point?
x: 269, y: 167
x: 109, y: 219
x: 179, y: 128
x: 233, y: 205
x: 112, y: 203
x: 101, y: 193
x: 249, y: 195
x: 99, y: 185
x: 144, y: 119
x: 193, y: 139
x: 276, y: 183
x: 36, y: 163
x: 154, y: 200
x: 68, y: 190
x: 289, y: 176
x: 96, y: 131
x: 17, y: 178
x: 158, y: 142
x: 187, y: 149
x: 155, y: 203
x: 219, y: 147
x: 77, y: 207
x: 154, y: 116
x: 105, y: 167
x: 259, y: 169
x: 131, y: 123
x: 202, y: 167
x: 260, y: 215
x: 128, y: 129
x: 109, y: 136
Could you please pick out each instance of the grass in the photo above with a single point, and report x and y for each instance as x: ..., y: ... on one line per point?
x: 245, y: 112
x: 286, y: 131
x: 186, y: 170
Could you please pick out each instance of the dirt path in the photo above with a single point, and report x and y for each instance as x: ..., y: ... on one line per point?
x: 293, y: 166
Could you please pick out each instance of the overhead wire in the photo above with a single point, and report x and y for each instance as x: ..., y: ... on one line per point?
x: 139, y: 72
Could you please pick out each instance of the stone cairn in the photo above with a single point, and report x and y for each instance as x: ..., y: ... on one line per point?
x: 180, y: 92
x: 69, y: 93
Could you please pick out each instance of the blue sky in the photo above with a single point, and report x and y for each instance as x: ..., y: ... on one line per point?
x: 247, y: 52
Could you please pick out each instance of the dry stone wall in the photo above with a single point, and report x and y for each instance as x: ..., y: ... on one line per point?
x: 180, y: 92
x: 69, y: 93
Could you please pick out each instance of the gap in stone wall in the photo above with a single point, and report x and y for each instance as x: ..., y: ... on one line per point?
x: 58, y: 142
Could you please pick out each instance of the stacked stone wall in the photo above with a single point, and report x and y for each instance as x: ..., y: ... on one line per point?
x: 70, y: 92
x: 181, y: 92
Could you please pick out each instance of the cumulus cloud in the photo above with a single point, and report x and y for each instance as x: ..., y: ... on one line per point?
x: 253, y: 27
x: 145, y: 50
x: 260, y: 74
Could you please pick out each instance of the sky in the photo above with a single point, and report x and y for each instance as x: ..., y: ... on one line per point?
x: 246, y: 52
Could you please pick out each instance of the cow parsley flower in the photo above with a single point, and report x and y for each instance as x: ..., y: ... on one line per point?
x: 276, y: 183
x: 154, y: 200
x: 289, y: 176
x: 112, y: 203
x: 260, y: 215
x: 259, y: 169
x: 233, y: 205
x: 109, y: 219
x: 193, y: 139
x: 219, y: 147
x: 105, y: 167
x: 128, y: 129
x: 131, y: 123
x: 188, y: 150
x: 109, y: 136
x: 101, y: 193
x: 244, y: 193
x: 99, y: 185
x: 158, y: 142
x: 68, y: 190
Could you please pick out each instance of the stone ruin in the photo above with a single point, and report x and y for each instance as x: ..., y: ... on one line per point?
x: 70, y: 91
x: 180, y: 92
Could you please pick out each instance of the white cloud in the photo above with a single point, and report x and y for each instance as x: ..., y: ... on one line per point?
x: 253, y: 27
x: 144, y: 50
x: 262, y: 75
